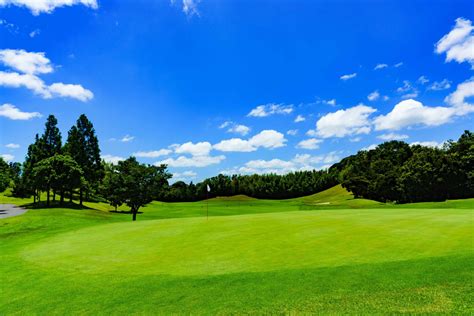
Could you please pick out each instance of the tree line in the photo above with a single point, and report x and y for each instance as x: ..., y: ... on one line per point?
x: 394, y: 171
x: 398, y: 172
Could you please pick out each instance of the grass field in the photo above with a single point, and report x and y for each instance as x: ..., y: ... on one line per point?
x: 325, y: 253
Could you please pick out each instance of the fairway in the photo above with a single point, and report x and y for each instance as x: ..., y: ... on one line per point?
x: 325, y: 253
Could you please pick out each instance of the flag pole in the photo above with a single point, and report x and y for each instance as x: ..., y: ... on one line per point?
x: 208, y: 189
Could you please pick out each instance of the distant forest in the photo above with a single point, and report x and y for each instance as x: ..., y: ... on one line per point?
x: 392, y: 172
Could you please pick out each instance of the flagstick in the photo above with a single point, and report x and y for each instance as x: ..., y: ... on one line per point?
x: 207, y: 206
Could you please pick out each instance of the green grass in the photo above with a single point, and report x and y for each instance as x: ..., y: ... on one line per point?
x: 325, y: 253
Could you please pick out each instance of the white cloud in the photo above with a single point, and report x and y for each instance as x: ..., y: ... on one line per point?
x: 373, y: 96
x: 235, y: 128
x: 292, y: 132
x: 74, y: 91
x: 185, y: 175
x: 385, y: 98
x: 299, y: 118
x: 351, y: 121
x: 423, y: 80
x: 408, y: 90
x: 269, y: 139
x: 392, y: 136
x: 13, y: 113
x: 112, y: 159
x: 411, y: 112
x: 127, y: 138
x: 380, y: 66
x: 194, y: 161
x: 7, y: 157
x: 370, y: 147
x: 311, y: 143
x: 457, y: 99
x: 348, y: 76
x: 270, y: 109
x: 458, y: 44
x: 197, y: 149
x: 152, y: 154
x: 355, y: 139
x: 331, y: 102
x: 411, y: 95
x: 26, y: 62
x: 398, y: 65
x: 190, y: 7
x: 34, y: 33
x: 47, y: 6
x: 12, y: 146
x: 441, y: 85
x: 31, y: 82
x: 433, y: 144
x: 311, y: 133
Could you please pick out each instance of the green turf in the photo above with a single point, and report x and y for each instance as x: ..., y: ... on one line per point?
x: 325, y: 253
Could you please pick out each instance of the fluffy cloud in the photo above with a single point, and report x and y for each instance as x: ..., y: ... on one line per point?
x: 31, y: 64
x: 348, y: 76
x: 408, y: 90
x: 127, y: 138
x: 270, y: 109
x: 311, y: 143
x: 152, y: 154
x: 292, y: 132
x: 373, y: 96
x: 194, y: 161
x: 411, y: 112
x: 183, y: 176
x: 459, y: 43
x: 12, y: 146
x: 299, y: 118
x: 13, y: 113
x: 330, y: 102
x: 433, y: 144
x: 392, y: 136
x: 235, y: 128
x: 380, y: 66
x: 351, y: 121
x: 198, y: 149
x: 26, y: 62
x: 7, y: 157
x: 47, y: 6
x: 112, y: 159
x: 269, y: 139
x: 457, y: 99
x: 441, y: 85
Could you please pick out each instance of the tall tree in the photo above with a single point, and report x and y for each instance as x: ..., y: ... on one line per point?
x: 83, y: 146
x: 51, y: 139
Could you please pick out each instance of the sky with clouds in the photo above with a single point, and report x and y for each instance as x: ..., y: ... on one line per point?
x: 237, y: 86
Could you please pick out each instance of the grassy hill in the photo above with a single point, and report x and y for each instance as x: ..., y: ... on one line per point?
x: 324, y: 253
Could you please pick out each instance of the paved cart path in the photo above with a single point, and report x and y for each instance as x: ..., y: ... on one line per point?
x: 9, y: 210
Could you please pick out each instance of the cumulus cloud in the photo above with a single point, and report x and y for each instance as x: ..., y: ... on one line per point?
x: 194, y: 149
x: 112, y: 159
x: 408, y: 90
x: 311, y: 143
x: 348, y: 76
x: 185, y: 175
x: 330, y: 102
x: 271, y: 109
x: 392, y: 136
x: 432, y: 144
x: 74, y: 91
x: 351, y: 121
x: 47, y: 6
x: 457, y: 99
x: 26, y: 62
x: 7, y: 157
x: 373, y: 96
x: 458, y: 44
x: 441, y: 85
x: 12, y: 146
x: 31, y: 82
x: 235, y: 128
x: 269, y: 139
x: 34, y: 33
x: 292, y: 132
x: 13, y: 113
x: 194, y: 161
x: 299, y: 118
x: 380, y: 66
x: 153, y: 153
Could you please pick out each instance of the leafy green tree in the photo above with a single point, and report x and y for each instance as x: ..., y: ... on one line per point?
x: 136, y: 184
x: 51, y: 138
x: 83, y: 146
x: 4, y: 175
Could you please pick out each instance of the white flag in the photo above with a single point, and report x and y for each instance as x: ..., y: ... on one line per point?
x: 208, y: 188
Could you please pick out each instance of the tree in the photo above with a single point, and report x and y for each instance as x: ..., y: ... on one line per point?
x: 83, y: 146
x: 4, y: 175
x: 58, y: 173
x: 51, y: 139
x: 136, y: 184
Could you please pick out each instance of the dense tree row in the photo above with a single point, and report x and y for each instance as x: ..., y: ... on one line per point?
x: 398, y: 172
x: 268, y: 186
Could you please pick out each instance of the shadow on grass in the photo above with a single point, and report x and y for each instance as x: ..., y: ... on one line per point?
x: 123, y: 212
x: 56, y: 204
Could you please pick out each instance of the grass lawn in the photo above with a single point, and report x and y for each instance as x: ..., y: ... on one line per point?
x: 325, y: 253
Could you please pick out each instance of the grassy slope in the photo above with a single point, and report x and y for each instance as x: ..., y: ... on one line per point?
x: 347, y: 256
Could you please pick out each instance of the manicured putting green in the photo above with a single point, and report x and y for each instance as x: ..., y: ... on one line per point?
x: 256, y: 243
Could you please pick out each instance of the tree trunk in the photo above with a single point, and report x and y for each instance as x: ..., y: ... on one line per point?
x: 34, y: 197
x: 134, y: 213
x: 80, y: 196
x: 70, y: 196
x: 62, y: 198
x: 48, y: 195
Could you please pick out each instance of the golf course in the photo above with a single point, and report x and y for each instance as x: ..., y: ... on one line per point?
x: 324, y: 253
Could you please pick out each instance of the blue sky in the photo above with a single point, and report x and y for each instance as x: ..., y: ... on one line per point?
x: 237, y: 86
